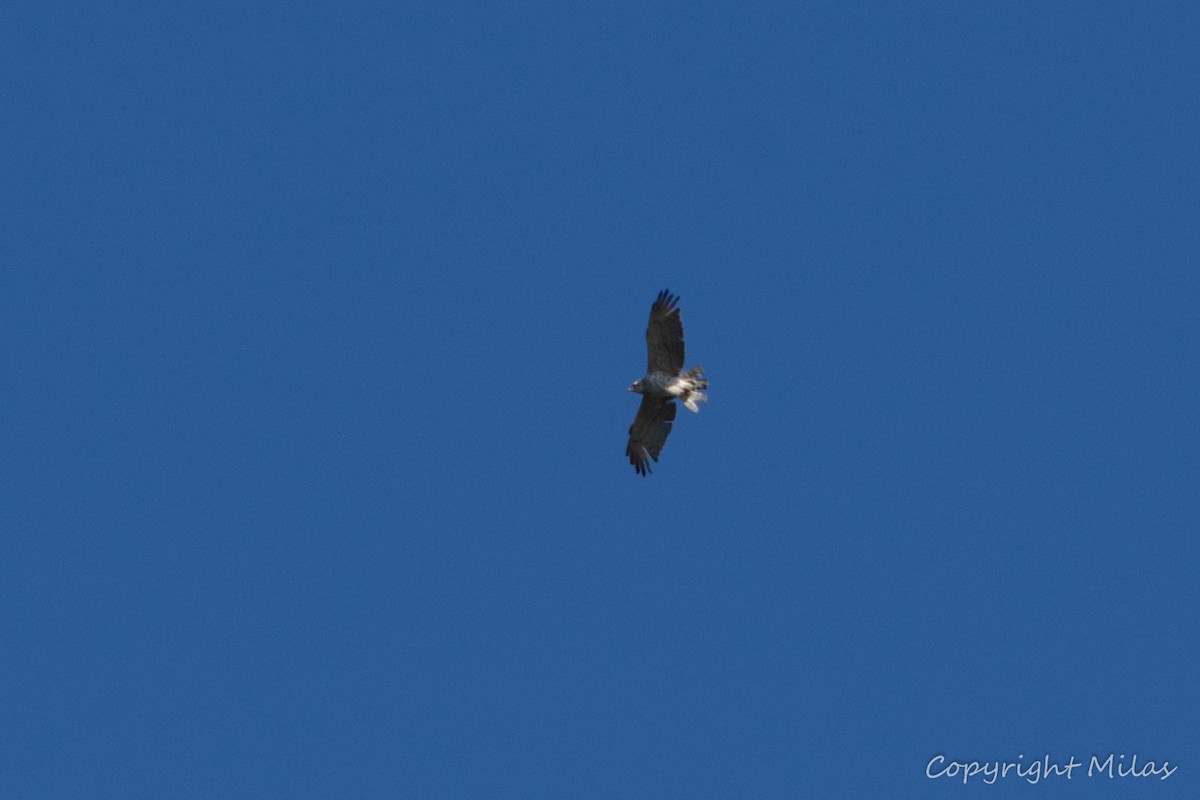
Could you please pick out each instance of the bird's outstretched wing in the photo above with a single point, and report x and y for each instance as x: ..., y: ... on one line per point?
x: 664, y: 336
x: 649, y: 432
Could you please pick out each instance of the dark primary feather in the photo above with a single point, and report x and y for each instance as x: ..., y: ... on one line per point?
x: 649, y: 432
x: 664, y: 336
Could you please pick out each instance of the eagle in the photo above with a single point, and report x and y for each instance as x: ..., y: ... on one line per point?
x: 663, y: 382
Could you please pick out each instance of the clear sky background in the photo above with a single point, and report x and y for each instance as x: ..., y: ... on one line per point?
x: 316, y: 324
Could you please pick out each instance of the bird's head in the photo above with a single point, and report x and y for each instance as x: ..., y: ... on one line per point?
x: 636, y: 387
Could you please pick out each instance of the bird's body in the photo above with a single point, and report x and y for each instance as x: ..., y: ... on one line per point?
x: 662, y: 384
x: 665, y: 386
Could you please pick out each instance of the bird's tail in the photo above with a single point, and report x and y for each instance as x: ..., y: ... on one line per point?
x: 693, y: 383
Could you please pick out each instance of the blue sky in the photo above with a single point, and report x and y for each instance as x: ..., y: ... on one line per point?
x: 317, y: 325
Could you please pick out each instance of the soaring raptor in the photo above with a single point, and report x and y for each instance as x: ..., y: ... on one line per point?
x: 663, y: 382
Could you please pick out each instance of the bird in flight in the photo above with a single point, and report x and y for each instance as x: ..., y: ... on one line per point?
x: 663, y: 382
